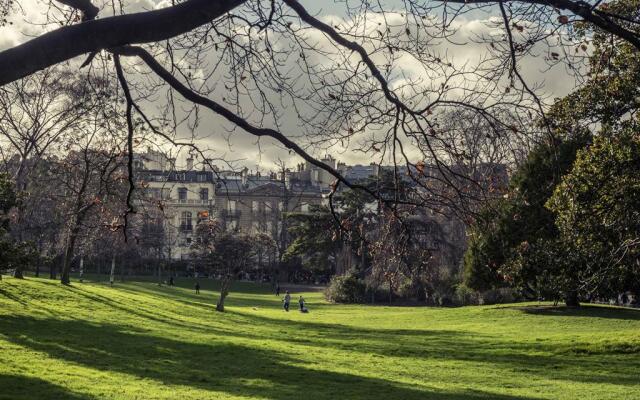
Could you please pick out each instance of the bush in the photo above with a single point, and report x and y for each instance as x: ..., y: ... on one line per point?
x: 498, y: 296
x: 346, y: 289
x: 465, y: 296
x: 377, y: 294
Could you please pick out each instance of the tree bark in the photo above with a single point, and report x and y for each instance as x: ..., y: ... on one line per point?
x: 52, y: 269
x: 571, y: 299
x: 68, y: 42
x: 224, y: 291
x: 68, y: 256
x: 81, y: 267
x: 113, y: 270
x: 17, y: 273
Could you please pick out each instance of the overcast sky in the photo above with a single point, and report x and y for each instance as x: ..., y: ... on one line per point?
x: 241, y: 146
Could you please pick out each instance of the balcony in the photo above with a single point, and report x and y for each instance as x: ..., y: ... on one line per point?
x: 190, y: 201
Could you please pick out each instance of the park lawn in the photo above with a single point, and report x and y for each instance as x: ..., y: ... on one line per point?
x: 140, y: 341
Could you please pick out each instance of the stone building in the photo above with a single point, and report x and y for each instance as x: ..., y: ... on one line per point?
x: 177, y: 199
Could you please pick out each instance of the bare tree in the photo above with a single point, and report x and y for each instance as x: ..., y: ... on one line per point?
x: 90, y: 180
x: 344, y: 81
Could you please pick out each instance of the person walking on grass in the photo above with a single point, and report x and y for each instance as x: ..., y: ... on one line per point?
x: 197, y: 287
x: 286, y: 300
x: 303, y: 309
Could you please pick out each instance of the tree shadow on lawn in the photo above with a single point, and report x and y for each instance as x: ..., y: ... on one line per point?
x: 137, y: 309
x: 220, y: 367
x: 6, y: 294
x: 567, y: 361
x: 18, y: 387
x: 206, y: 297
x: 588, y: 311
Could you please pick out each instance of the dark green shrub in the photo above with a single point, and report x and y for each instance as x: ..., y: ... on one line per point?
x: 346, y: 289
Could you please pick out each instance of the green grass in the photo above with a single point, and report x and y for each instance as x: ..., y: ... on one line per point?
x: 140, y: 341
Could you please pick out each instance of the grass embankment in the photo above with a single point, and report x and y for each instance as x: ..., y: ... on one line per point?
x: 141, y: 341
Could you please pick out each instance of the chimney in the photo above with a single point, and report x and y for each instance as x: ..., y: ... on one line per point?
x: 287, y: 179
x: 189, y: 163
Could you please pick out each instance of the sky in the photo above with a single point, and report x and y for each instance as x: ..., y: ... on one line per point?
x: 230, y: 144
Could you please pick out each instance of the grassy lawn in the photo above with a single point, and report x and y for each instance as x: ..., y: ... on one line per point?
x: 140, y: 341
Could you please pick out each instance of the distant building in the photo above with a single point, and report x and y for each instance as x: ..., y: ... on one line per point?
x: 177, y: 199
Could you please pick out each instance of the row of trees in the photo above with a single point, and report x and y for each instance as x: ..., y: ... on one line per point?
x: 569, y: 226
x: 379, y: 80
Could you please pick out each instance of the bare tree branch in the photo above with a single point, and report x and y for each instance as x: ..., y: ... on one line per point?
x: 89, y: 11
x: 71, y: 41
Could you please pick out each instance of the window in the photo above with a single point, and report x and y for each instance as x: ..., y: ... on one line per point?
x: 232, y: 225
x: 166, y: 193
x: 280, y: 206
x: 202, y: 177
x: 204, y: 194
x: 154, y: 193
x: 231, y: 205
x: 255, y: 206
x: 182, y: 194
x: 304, y: 207
x: 269, y: 227
x: 186, y: 224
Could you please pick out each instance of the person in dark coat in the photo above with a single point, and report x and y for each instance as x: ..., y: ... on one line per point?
x: 286, y: 300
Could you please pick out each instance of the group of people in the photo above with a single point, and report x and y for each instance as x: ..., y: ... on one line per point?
x: 286, y: 301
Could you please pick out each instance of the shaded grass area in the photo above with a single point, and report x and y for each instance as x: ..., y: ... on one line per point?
x: 139, y: 340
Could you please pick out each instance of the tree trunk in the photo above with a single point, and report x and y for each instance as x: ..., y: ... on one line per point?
x: 113, y: 269
x: 38, y: 269
x: 81, y: 267
x: 52, y: 270
x: 224, y: 291
x: 571, y: 299
x: 68, y: 256
x: 17, y: 273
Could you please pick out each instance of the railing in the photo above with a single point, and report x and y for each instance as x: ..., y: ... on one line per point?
x: 190, y: 201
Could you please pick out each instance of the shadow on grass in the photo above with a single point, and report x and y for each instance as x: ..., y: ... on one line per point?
x: 226, y: 368
x: 571, y: 361
x: 17, y: 387
x: 580, y: 362
x: 587, y: 311
x: 11, y: 296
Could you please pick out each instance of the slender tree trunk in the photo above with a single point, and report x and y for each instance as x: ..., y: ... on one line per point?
x: 81, y: 267
x: 17, y: 273
x: 224, y: 291
x: 113, y: 270
x: 68, y: 257
x: 52, y: 269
